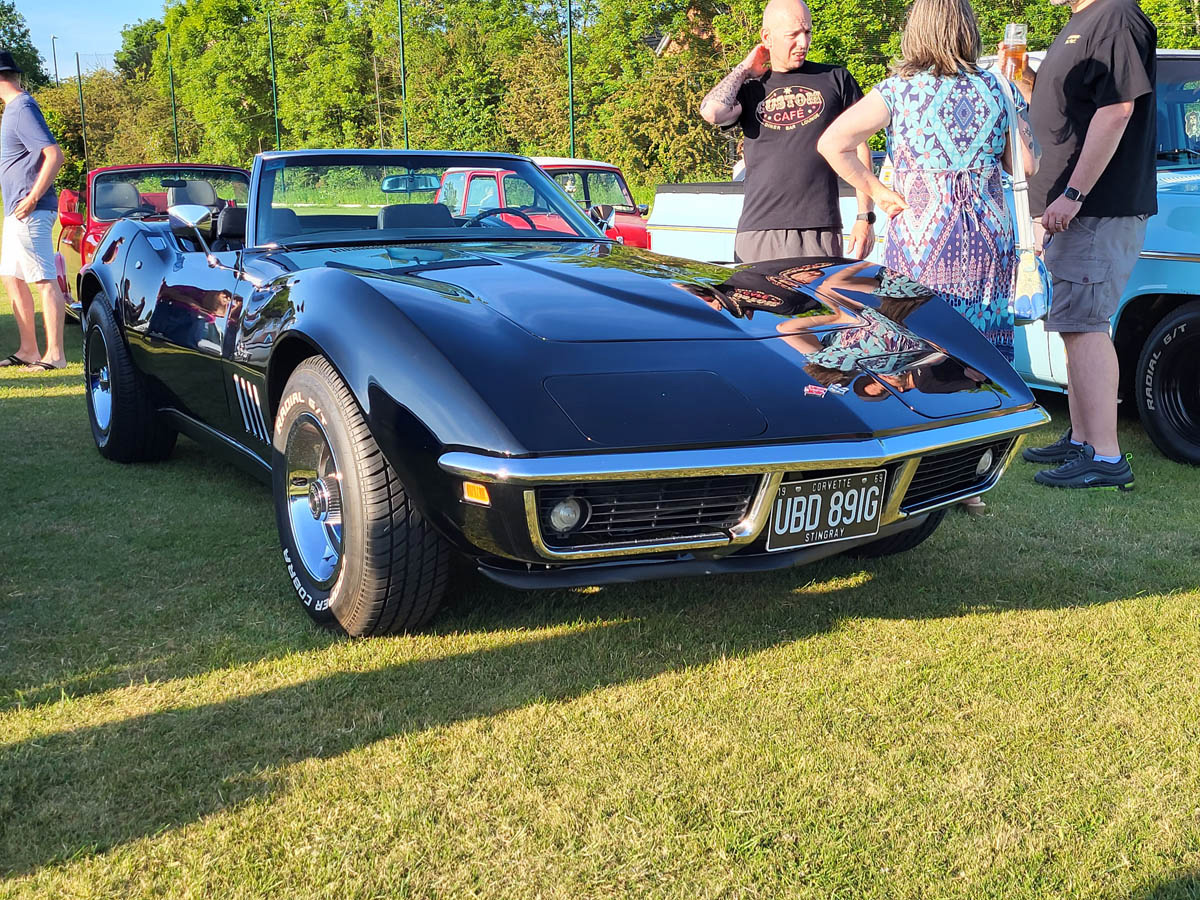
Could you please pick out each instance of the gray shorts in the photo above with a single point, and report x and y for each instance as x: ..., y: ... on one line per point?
x: 785, y: 243
x: 1089, y: 264
x: 27, y: 248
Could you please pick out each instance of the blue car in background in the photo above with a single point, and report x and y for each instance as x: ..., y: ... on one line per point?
x: 1156, y: 329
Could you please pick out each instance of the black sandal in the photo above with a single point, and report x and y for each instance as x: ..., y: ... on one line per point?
x: 14, y: 360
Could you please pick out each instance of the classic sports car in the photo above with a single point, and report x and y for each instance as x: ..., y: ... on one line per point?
x: 556, y: 407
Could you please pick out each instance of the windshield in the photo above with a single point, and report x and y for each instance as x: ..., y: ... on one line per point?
x: 351, y: 198
x: 1178, y: 91
x: 149, y: 192
x: 589, y: 187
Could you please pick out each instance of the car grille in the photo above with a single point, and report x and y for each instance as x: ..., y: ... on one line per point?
x: 951, y: 473
x: 665, y: 510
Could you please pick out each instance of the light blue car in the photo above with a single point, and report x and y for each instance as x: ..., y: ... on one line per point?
x: 1156, y: 329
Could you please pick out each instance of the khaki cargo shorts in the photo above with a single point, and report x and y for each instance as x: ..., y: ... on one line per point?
x: 1090, y: 264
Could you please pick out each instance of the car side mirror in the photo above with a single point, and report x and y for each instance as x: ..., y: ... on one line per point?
x: 603, y: 215
x: 71, y: 219
x: 186, y: 221
x: 643, y: 209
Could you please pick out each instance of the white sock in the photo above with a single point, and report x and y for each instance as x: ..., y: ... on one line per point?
x: 1108, y: 459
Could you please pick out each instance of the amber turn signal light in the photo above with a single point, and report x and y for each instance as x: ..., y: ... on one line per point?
x: 476, y: 493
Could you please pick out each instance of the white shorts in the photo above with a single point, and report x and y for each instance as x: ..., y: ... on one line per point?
x: 27, y: 249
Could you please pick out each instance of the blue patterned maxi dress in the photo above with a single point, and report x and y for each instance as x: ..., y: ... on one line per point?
x: 946, y: 140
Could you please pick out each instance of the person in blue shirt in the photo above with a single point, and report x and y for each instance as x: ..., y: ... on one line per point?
x: 29, y: 161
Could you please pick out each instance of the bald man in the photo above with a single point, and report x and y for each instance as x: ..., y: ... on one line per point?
x: 783, y: 103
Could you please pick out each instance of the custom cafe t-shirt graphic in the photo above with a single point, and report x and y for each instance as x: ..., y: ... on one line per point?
x: 786, y: 108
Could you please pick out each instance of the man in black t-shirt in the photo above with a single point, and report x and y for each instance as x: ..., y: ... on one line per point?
x: 783, y: 103
x: 1093, y: 112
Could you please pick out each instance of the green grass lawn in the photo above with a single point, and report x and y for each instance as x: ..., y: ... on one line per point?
x: 1010, y: 711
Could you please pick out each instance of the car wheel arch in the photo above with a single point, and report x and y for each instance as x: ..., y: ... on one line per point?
x: 1136, y: 320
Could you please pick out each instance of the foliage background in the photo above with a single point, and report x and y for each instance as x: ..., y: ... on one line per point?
x: 480, y: 74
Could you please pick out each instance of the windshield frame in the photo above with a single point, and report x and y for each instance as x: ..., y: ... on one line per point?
x: 412, y: 159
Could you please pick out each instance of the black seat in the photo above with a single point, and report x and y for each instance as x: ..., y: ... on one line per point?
x: 416, y: 215
x: 199, y: 192
x: 231, y: 229
x: 115, y: 199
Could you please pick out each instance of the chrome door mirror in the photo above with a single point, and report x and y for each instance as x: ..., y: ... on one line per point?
x: 186, y: 221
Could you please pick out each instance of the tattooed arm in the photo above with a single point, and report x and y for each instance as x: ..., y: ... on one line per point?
x: 1031, y: 150
x: 720, y: 106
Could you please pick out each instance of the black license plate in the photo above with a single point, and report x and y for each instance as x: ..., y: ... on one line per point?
x: 822, y: 510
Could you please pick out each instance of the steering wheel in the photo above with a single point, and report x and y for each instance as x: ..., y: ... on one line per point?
x: 145, y: 208
x: 496, y: 210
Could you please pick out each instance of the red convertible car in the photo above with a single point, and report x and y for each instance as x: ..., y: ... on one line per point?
x: 139, y: 191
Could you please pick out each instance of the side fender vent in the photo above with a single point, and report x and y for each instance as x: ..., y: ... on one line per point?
x: 252, y: 416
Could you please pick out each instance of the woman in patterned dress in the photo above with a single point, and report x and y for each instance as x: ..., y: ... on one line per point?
x: 948, y: 126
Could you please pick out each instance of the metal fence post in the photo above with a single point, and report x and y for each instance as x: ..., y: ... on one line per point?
x: 87, y: 166
x: 570, y: 80
x: 274, y: 86
x: 378, y: 107
x: 174, y: 111
x: 403, y: 87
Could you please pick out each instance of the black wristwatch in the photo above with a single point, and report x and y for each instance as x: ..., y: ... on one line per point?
x: 868, y: 217
x: 1071, y: 194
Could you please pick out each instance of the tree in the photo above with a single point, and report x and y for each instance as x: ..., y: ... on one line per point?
x: 14, y: 36
x: 138, y: 43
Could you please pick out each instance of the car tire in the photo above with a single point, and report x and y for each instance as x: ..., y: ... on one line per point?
x: 1167, y: 384
x: 902, y: 542
x: 125, y: 425
x: 361, y: 558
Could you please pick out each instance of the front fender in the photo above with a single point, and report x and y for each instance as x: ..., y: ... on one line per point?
x: 375, y: 347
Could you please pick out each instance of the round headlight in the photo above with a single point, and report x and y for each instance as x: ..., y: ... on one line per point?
x: 566, y: 515
x: 985, y: 463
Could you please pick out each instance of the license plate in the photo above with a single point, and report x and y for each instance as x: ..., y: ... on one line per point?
x: 822, y: 510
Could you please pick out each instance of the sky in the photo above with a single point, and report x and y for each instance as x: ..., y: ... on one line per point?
x: 91, y: 29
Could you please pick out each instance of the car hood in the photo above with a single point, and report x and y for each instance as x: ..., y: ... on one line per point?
x: 632, y: 349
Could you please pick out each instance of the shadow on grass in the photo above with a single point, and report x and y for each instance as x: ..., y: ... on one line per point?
x: 93, y: 788
x: 1184, y: 886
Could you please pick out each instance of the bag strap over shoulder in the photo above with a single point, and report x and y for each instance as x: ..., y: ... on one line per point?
x: 1020, y: 185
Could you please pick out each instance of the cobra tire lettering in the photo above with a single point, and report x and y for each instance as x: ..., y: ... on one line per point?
x: 305, y: 597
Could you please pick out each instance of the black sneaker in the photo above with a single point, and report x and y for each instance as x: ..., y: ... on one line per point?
x: 1083, y: 470
x: 1060, y: 451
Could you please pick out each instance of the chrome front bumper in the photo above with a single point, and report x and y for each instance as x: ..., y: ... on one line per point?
x: 772, y: 461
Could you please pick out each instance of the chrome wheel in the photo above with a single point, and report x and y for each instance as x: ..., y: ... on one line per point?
x: 99, y: 386
x: 314, y: 499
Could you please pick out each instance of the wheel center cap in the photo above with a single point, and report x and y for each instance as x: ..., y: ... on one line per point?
x: 324, y: 502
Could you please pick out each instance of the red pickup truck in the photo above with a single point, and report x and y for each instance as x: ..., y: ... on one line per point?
x: 589, y: 183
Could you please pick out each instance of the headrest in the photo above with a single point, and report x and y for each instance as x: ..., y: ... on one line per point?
x: 199, y: 192
x: 284, y: 223
x: 416, y: 215
x: 231, y: 224
x: 117, y: 196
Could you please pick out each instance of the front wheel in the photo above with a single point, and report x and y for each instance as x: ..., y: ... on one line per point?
x: 1167, y: 384
x: 358, y: 554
